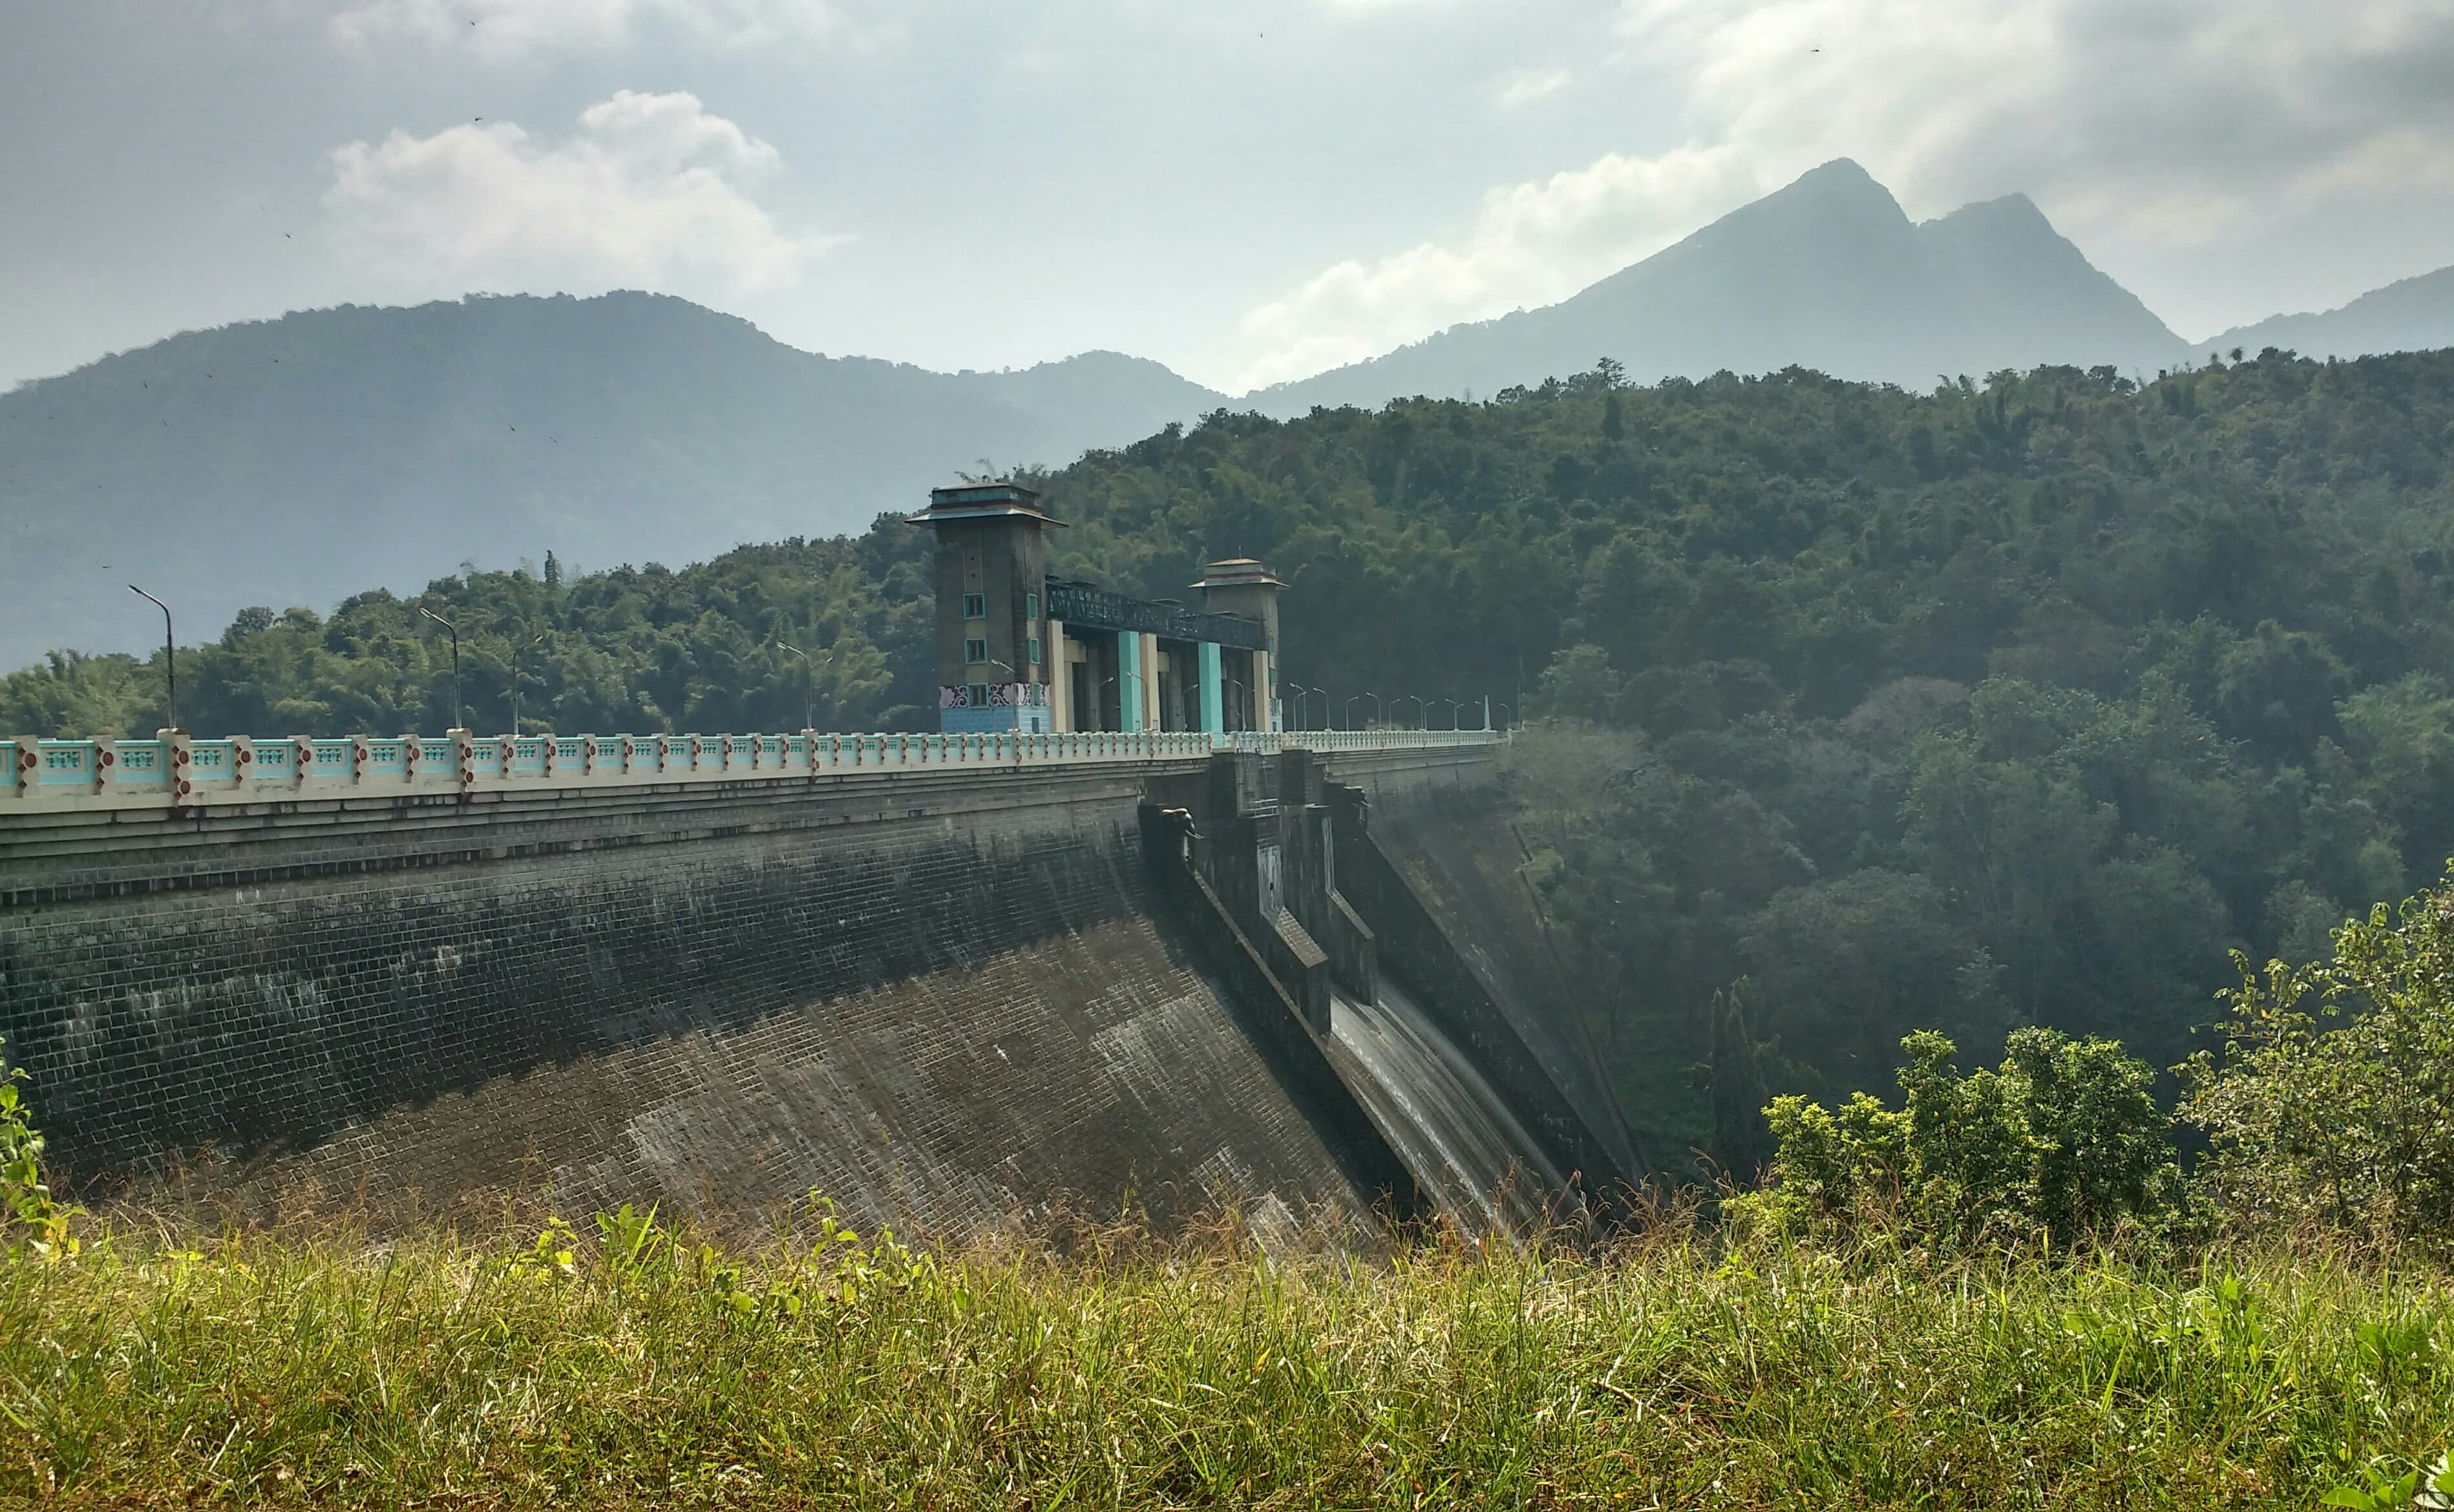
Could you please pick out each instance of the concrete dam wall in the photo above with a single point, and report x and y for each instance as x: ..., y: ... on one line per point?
x: 936, y: 997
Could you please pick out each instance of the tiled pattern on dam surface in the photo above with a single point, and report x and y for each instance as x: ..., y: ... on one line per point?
x: 933, y: 1020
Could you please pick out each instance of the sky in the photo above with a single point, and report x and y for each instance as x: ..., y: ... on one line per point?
x: 1247, y: 193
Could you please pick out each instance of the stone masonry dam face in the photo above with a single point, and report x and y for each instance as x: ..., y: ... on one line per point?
x: 940, y: 998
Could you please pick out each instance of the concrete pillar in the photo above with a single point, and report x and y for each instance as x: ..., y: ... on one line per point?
x: 1061, y: 680
x: 24, y: 755
x: 178, y: 750
x: 1214, y: 702
x: 1265, y: 693
x: 1129, y: 680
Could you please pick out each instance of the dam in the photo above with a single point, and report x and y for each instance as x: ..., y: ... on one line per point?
x: 942, y: 979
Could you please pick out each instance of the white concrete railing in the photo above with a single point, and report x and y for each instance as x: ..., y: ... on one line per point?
x: 177, y: 772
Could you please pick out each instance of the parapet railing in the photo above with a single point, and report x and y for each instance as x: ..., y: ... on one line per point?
x: 180, y: 772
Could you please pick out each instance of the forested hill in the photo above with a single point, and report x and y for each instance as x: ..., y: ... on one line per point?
x: 291, y: 461
x: 2021, y: 701
x: 1827, y: 272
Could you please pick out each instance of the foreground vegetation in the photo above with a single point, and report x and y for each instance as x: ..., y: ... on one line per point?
x: 311, y: 1369
x: 2003, y: 1292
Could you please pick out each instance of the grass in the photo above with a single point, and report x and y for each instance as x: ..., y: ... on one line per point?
x: 640, y: 1368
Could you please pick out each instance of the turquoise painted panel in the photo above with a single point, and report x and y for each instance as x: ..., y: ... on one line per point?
x: 212, y: 763
x: 140, y: 763
x: 67, y: 763
x: 1214, y: 690
x: 1129, y: 680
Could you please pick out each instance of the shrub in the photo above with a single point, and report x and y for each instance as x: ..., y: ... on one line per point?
x: 31, y: 1221
x: 2064, y: 1141
x: 2332, y: 1104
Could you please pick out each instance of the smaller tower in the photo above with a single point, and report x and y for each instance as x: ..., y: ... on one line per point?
x: 1244, y: 587
x: 993, y: 652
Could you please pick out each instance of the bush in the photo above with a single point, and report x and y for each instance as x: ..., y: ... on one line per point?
x: 31, y: 1220
x: 2062, y: 1142
x: 2332, y: 1104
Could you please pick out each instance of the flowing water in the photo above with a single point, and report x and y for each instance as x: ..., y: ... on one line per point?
x: 1468, y: 1152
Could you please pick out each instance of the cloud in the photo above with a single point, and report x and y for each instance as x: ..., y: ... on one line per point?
x: 2136, y: 124
x: 1522, y: 87
x: 652, y: 191
x: 504, y: 31
x: 2165, y: 117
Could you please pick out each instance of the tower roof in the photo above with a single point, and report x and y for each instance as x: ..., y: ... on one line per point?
x: 1237, y: 572
x: 983, y: 501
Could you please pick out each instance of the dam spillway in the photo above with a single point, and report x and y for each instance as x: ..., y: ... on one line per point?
x: 1471, y: 1157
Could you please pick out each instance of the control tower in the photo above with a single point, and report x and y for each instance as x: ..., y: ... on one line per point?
x: 992, y: 657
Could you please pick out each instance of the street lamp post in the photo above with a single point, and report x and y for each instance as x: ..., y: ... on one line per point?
x: 1454, y: 703
x: 1376, y: 705
x: 1508, y: 718
x: 455, y: 659
x: 531, y: 646
x: 169, y: 650
x: 1422, y: 708
x: 808, y: 717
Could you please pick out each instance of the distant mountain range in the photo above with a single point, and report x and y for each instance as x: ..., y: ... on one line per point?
x: 295, y: 460
x: 291, y: 461
x: 2416, y: 315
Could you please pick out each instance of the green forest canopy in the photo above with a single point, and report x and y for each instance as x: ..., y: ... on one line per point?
x: 2015, y: 702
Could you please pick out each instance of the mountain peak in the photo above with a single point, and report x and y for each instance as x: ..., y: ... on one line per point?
x: 2009, y: 211
x: 1825, y: 273
x: 1839, y: 170
x: 1838, y: 183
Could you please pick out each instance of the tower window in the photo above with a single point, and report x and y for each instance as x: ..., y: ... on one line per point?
x: 975, y: 605
x: 1033, y: 645
x: 1031, y: 610
x: 975, y: 650
x: 978, y: 694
